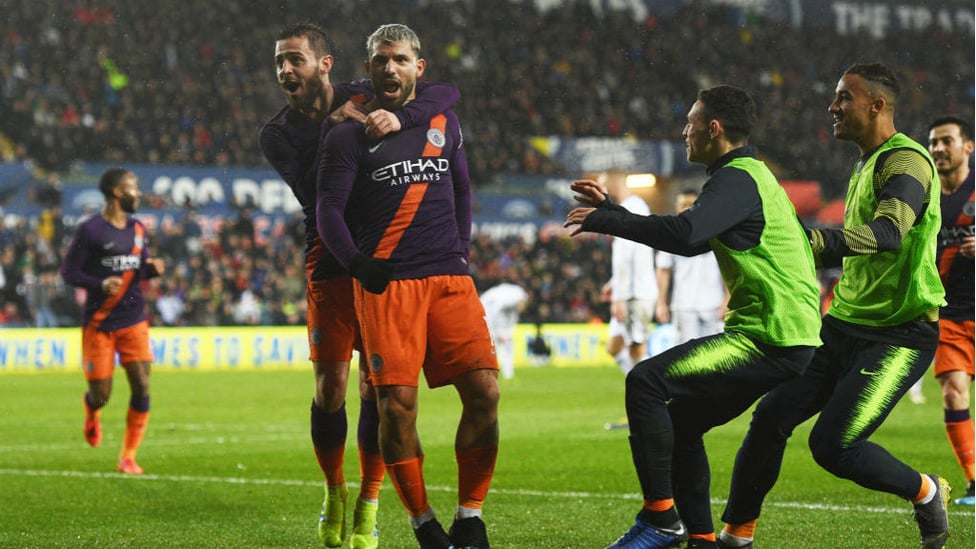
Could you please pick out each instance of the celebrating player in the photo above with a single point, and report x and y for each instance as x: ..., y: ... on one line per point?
x: 409, y: 198
x: 290, y: 142
x: 951, y: 146
x: 745, y: 218
x: 880, y: 332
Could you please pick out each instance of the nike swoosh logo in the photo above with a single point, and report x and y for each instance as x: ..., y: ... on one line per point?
x: 865, y: 372
x: 374, y: 147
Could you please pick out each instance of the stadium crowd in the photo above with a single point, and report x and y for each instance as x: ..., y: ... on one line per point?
x: 191, y: 83
x: 232, y: 278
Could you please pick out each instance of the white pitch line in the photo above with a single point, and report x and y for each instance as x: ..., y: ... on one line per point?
x: 500, y: 491
x: 165, y: 442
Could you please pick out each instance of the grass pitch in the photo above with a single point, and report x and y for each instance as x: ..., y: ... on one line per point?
x: 229, y: 463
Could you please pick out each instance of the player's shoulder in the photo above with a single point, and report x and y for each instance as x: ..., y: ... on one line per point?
x: 91, y: 222
x: 349, y: 130
x: 904, y: 155
x: 451, y: 124
x: 276, y: 122
x: 346, y: 138
x: 136, y: 222
x: 730, y: 179
x: 452, y: 117
x: 361, y: 90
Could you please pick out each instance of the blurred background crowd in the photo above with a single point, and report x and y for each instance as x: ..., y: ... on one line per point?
x: 191, y: 83
x: 229, y: 279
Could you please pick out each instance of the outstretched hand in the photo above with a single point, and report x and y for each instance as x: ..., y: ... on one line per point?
x: 588, y: 192
x: 576, y: 217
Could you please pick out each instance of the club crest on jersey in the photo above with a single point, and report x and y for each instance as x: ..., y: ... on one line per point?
x: 436, y: 137
x: 968, y: 209
x: 139, y: 241
x: 376, y: 363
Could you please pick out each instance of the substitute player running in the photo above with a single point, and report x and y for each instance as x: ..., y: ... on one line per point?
x: 880, y: 332
x: 745, y: 218
x: 290, y: 142
x: 109, y: 258
x: 951, y: 146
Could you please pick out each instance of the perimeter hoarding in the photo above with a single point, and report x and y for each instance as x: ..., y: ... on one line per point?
x: 50, y: 350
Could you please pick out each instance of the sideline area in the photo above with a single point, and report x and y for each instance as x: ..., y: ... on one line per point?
x: 45, y: 350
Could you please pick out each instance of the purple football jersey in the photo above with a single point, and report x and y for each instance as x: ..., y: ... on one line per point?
x: 99, y: 250
x: 408, y: 197
x: 290, y: 143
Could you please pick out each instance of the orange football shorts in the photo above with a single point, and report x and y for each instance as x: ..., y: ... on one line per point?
x: 955, y: 350
x: 333, y: 331
x: 98, y: 349
x: 435, y: 323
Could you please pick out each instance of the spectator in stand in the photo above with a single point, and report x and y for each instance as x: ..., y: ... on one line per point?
x: 170, y: 306
x: 160, y: 110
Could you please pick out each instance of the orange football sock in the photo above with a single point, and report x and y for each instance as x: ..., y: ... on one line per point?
x: 135, y: 429
x: 710, y: 536
x: 746, y: 530
x: 961, y: 434
x: 371, y: 471
x: 330, y: 461
x: 659, y: 505
x: 408, y: 479
x: 476, y: 467
x: 923, y: 492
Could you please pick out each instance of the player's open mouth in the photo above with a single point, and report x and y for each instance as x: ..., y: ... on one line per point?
x: 291, y: 86
x: 391, y: 88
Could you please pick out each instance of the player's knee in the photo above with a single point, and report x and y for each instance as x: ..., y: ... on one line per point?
x: 99, y: 397
x: 483, y: 399
x: 99, y: 391
x: 397, y: 403
x: 771, y: 423
x: 831, y: 454
x: 644, y: 379
x: 329, y: 397
x: 955, y: 396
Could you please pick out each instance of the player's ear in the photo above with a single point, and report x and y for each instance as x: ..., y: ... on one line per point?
x: 878, y: 105
x: 714, y: 128
x: 421, y: 65
x: 325, y: 64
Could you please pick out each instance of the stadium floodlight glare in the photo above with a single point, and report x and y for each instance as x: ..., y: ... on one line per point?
x: 641, y: 180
